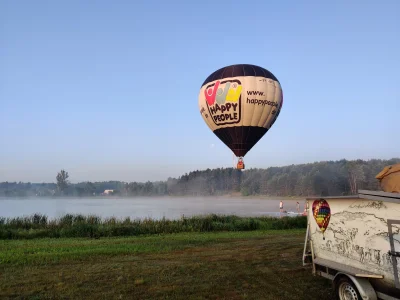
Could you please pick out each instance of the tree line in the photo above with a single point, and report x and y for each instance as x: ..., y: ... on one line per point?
x: 325, y: 178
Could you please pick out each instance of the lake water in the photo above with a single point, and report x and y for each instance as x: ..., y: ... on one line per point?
x: 156, y: 208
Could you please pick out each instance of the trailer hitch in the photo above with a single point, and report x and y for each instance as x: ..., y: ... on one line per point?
x: 394, y: 253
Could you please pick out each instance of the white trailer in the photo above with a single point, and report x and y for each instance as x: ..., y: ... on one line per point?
x: 355, y: 242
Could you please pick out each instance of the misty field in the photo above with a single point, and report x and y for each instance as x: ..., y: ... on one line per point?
x: 213, y: 265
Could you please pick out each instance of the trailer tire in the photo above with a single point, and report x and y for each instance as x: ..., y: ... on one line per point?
x: 346, y: 290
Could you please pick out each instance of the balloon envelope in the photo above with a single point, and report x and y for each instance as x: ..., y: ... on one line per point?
x: 240, y: 103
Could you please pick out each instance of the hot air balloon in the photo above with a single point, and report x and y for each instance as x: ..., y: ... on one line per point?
x: 322, y: 214
x: 240, y: 103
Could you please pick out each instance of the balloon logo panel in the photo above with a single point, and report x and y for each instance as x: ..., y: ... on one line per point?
x: 223, y: 99
x: 322, y: 214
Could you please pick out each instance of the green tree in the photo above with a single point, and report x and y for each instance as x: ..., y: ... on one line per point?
x: 90, y: 189
x: 62, y: 181
x: 356, y: 176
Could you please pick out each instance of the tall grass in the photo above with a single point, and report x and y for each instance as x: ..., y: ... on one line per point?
x: 39, y: 226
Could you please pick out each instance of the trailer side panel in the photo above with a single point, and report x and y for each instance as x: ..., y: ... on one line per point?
x: 357, y: 234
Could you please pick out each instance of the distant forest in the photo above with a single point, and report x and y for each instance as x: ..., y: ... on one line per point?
x: 324, y: 178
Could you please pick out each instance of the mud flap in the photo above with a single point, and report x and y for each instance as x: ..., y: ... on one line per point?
x: 393, y: 252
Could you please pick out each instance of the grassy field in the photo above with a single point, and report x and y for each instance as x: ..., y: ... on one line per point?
x: 209, y: 265
x: 39, y: 226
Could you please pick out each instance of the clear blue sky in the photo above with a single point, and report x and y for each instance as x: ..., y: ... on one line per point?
x: 108, y: 89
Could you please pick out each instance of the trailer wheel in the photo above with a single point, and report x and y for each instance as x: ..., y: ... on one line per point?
x: 346, y: 290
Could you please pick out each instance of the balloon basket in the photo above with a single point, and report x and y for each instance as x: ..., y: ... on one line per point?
x: 240, y: 164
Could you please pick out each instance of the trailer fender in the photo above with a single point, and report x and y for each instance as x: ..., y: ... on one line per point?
x: 363, y: 286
